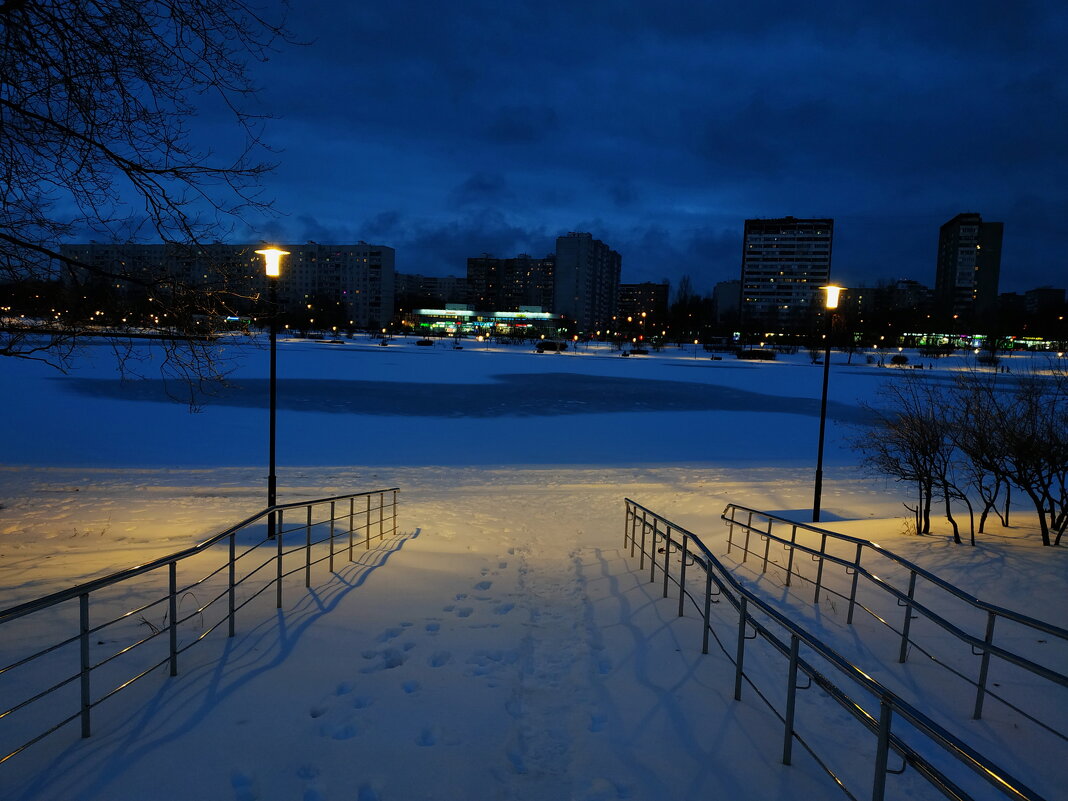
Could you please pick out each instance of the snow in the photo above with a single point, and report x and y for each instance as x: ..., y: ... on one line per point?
x: 504, y: 644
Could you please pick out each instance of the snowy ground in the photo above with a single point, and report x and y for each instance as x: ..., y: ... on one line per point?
x: 503, y: 646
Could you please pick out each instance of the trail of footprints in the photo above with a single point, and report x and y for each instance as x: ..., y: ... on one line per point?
x: 338, y: 714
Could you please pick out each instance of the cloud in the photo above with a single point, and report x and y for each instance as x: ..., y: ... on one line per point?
x: 481, y: 188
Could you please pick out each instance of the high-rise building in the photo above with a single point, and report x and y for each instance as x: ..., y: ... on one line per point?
x: 507, y: 284
x: 586, y: 284
x: 414, y: 291
x: 785, y: 261
x: 725, y: 299
x: 968, y: 267
x: 648, y: 298
x: 360, y: 277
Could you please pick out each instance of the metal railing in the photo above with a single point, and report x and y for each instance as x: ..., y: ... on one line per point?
x: 818, y: 544
x: 923, y: 745
x: 120, y: 621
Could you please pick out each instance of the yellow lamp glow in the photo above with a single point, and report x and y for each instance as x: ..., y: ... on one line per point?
x: 831, y: 300
x: 272, y: 260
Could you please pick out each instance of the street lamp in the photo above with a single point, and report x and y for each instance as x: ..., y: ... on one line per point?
x: 272, y: 261
x: 830, y: 303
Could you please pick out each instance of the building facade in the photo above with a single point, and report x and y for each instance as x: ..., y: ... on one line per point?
x: 431, y: 291
x: 968, y: 267
x: 726, y: 296
x: 507, y: 284
x: 359, y: 278
x: 647, y: 298
x: 586, y: 282
x: 785, y: 261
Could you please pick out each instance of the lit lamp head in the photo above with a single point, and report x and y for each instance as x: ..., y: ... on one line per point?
x: 272, y: 260
x: 831, y: 297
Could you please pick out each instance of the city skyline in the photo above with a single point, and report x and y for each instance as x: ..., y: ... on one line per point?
x: 661, y: 128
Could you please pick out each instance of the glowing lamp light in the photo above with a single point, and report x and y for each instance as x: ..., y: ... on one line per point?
x: 831, y: 299
x: 272, y: 260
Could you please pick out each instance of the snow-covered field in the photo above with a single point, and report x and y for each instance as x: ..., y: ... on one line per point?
x: 503, y: 645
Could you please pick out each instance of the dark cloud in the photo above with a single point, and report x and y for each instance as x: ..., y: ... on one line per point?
x: 660, y: 126
x: 480, y: 189
x: 521, y: 125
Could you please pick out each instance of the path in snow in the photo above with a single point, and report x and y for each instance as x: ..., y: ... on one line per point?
x: 510, y: 650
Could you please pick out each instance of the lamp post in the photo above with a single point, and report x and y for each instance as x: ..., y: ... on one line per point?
x: 830, y: 303
x: 272, y: 259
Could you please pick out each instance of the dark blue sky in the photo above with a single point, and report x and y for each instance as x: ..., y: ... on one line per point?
x: 451, y: 129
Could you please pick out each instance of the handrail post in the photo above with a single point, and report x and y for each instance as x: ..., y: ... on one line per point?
x: 652, y: 551
x: 984, y: 665
x: 394, y: 513
x: 882, y: 750
x: 682, y: 572
x: 367, y: 526
x: 708, y: 607
x: 856, y: 577
x: 626, y: 522
x: 83, y: 641
x: 730, y: 529
x: 791, y: 697
x: 278, y: 576
x: 307, y: 549
x: 633, y: 524
x: 352, y: 513
x: 641, y: 553
x: 903, y: 655
x: 790, y: 558
x: 667, y: 558
x: 748, y: 532
x: 742, y: 617
x: 231, y: 582
x: 767, y: 547
x: 173, y: 571
x: 331, y: 563
x: 819, y: 569
x: 381, y: 515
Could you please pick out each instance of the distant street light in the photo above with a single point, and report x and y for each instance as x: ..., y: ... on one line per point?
x: 272, y: 260
x: 830, y: 304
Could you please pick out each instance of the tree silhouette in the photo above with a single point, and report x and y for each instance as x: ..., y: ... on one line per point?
x: 96, y: 105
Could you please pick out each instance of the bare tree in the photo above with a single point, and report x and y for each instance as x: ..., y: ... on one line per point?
x: 96, y: 103
x: 908, y: 442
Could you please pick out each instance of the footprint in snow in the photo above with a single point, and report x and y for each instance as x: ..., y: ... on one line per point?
x: 345, y: 731
x: 433, y: 628
x: 389, y: 634
x: 464, y: 611
x: 411, y: 686
x: 426, y: 738
x: 440, y: 659
x: 244, y: 786
x: 483, y: 585
x: 504, y: 609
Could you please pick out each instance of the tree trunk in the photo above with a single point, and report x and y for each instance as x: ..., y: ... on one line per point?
x: 949, y: 514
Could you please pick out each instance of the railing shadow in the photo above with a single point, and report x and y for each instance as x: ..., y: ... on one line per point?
x: 182, y: 703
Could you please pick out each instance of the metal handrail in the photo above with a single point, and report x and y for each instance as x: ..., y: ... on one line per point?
x: 986, y: 606
x: 984, y: 646
x: 690, y: 550
x: 385, y: 523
